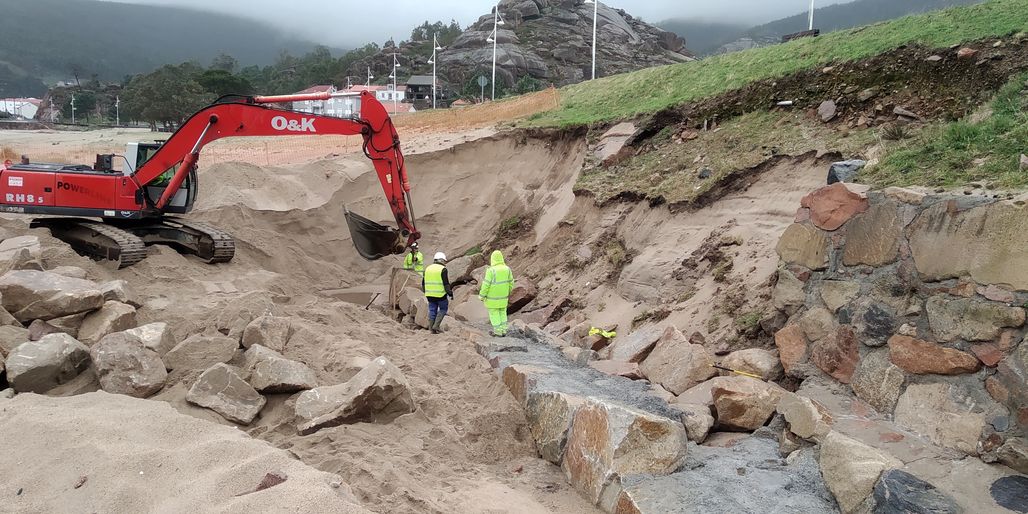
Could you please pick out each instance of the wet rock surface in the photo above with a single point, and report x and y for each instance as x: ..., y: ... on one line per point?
x: 746, y: 477
x: 899, y: 492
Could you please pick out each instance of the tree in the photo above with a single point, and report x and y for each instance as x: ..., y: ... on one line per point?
x: 167, y: 96
x: 220, y: 83
x: 225, y: 62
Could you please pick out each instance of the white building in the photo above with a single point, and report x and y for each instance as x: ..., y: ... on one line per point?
x: 335, y: 107
x: 20, y: 107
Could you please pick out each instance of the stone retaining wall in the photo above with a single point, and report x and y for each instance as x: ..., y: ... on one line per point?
x: 918, y: 303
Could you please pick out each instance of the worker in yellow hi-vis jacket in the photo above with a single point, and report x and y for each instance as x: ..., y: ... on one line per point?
x: 495, y: 292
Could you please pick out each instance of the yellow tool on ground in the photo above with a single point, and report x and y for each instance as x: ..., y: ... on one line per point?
x: 737, y: 372
x: 599, y: 331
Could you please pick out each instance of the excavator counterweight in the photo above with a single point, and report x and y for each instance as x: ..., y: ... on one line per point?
x: 112, y: 215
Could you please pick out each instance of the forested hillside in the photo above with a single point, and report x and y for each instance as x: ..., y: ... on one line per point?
x: 52, y: 40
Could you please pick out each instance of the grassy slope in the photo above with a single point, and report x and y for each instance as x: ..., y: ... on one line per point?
x: 958, y: 153
x: 671, y: 170
x: 650, y: 90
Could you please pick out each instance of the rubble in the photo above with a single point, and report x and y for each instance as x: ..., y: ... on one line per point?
x: 756, y: 361
x: 697, y: 420
x: 119, y: 291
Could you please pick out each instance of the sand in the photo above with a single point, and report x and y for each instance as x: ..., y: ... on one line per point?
x: 142, y: 456
x: 467, y: 447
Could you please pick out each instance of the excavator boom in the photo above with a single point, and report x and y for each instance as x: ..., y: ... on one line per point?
x: 135, y: 203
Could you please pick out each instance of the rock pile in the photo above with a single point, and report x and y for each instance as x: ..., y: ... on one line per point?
x: 83, y: 336
x: 917, y: 302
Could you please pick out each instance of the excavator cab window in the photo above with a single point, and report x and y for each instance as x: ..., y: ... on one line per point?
x: 183, y: 199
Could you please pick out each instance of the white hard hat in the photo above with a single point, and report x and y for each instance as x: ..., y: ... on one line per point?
x: 440, y: 256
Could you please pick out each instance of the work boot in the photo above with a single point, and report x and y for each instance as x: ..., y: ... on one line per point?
x: 431, y: 324
x: 437, y: 325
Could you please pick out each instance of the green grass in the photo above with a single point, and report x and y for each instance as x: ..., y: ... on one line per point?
x: 474, y: 250
x: 653, y: 89
x: 955, y: 154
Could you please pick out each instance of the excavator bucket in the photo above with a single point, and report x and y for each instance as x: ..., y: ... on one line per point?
x: 372, y: 240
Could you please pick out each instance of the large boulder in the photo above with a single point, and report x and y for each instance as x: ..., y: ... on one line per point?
x: 970, y: 319
x: 851, y: 469
x: 744, y: 410
x: 697, y: 420
x: 155, y: 336
x: 39, y: 366
x: 112, y: 317
x: 1014, y: 453
x: 521, y: 296
x: 838, y: 293
x: 638, y: 345
x: 788, y: 295
x: 268, y: 331
x: 878, y: 381
x: 549, y: 417
x: 119, y: 291
x: 21, y: 252
x: 703, y: 394
x: 124, y: 366
x: 222, y: 390
x: 280, y: 375
x: 929, y: 410
x: 676, y: 364
x: 804, y: 245
x: 755, y: 361
x: 899, y: 492
x: 983, y: 242
x: 629, y: 370
x: 806, y: 418
x: 11, y: 337
x: 470, y: 311
x: 379, y: 393
x: 792, y: 348
x: 30, y: 294
x: 459, y: 270
x: 609, y: 441
x: 873, y: 238
x: 832, y: 206
x: 837, y: 354
x: 200, y: 352
x: 924, y: 358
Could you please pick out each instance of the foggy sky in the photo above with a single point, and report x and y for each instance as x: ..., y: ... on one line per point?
x: 349, y: 23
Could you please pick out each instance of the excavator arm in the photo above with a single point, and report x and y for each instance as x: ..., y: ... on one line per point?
x: 251, y: 116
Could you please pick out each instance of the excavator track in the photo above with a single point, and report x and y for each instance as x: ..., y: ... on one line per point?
x: 217, y: 245
x: 96, y: 240
x: 209, y: 243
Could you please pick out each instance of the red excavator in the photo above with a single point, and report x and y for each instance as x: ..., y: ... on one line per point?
x: 113, y: 215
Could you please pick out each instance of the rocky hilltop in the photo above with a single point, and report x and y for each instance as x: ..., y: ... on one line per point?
x: 551, y: 41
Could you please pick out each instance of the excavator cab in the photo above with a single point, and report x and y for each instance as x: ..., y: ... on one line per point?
x: 137, y: 154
